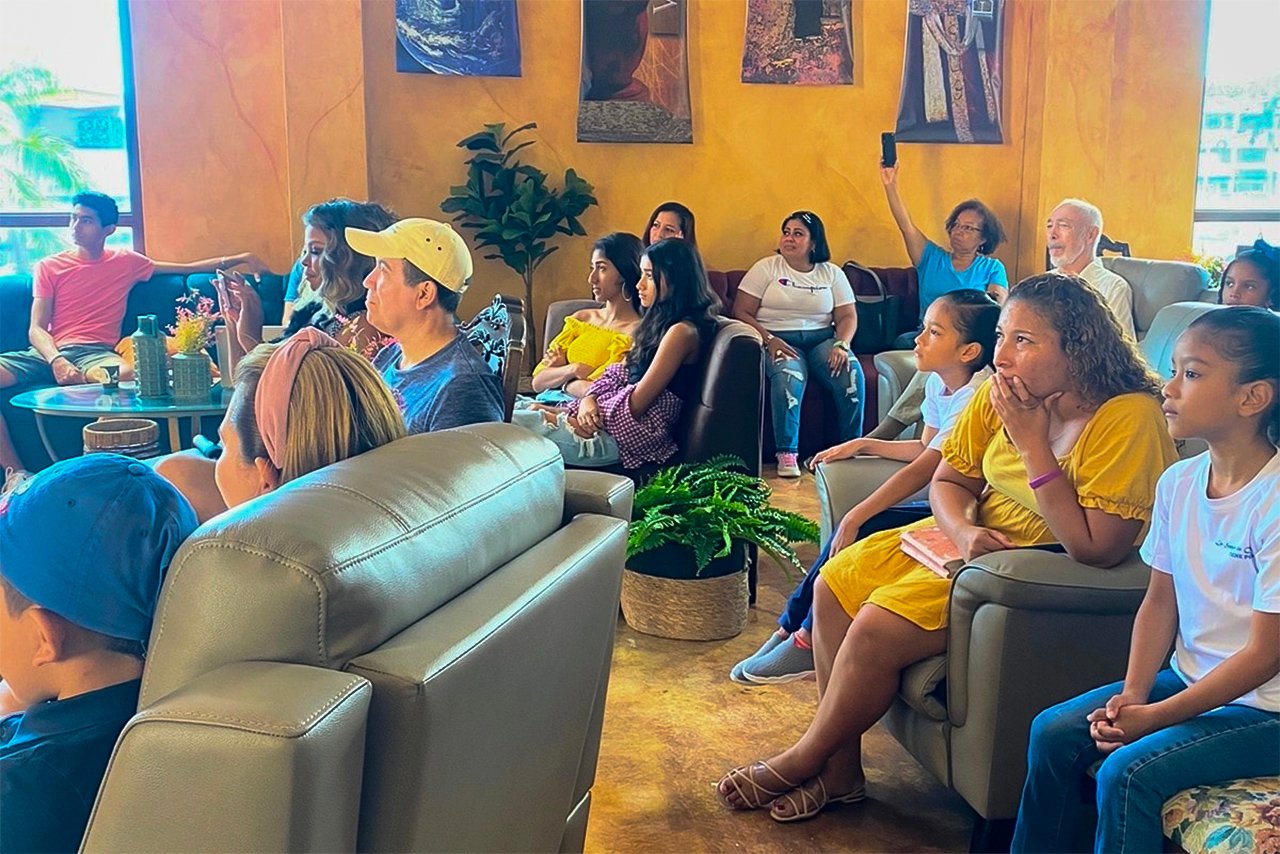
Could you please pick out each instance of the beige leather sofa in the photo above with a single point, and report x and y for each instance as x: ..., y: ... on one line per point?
x: 1155, y: 284
x: 1027, y: 629
x: 407, y: 651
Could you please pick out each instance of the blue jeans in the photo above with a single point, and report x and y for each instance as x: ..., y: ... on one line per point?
x: 798, y: 612
x: 788, y: 378
x: 1133, y: 782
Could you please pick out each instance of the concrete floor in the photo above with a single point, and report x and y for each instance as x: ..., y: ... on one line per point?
x: 674, y: 724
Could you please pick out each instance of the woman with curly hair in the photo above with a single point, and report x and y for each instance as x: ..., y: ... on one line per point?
x: 1063, y: 445
x: 332, y: 293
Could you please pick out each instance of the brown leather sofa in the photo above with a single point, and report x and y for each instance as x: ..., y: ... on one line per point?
x: 406, y: 651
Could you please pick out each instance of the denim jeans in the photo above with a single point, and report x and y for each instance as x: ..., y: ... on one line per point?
x: 798, y: 612
x: 596, y: 452
x: 788, y: 378
x: 1133, y: 782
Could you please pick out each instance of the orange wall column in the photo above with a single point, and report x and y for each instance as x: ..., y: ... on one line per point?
x: 211, y: 128
x: 249, y: 111
x: 324, y: 105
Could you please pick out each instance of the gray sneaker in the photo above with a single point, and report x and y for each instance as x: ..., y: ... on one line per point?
x: 736, y: 673
x: 785, y: 663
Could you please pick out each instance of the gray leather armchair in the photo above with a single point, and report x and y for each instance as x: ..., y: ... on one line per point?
x: 1027, y: 629
x: 406, y: 651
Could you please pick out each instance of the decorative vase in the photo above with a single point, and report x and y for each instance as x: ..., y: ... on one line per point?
x: 150, y: 362
x: 665, y: 599
x: 192, y: 378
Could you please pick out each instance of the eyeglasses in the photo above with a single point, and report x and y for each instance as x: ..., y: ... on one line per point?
x: 966, y: 229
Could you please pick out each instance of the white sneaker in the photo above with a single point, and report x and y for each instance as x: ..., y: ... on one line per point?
x: 788, y: 465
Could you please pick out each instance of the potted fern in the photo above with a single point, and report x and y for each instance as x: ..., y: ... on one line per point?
x: 686, y: 548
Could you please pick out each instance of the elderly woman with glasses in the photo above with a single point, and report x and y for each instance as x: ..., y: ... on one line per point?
x: 973, y: 233
x: 802, y: 306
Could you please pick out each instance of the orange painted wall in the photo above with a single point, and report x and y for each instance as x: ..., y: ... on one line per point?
x: 249, y: 112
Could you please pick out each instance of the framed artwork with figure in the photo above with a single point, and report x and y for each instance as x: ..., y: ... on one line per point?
x: 953, y: 72
x: 803, y: 42
x: 635, y: 72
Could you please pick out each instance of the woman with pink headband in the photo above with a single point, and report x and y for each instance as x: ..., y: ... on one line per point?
x: 298, y: 406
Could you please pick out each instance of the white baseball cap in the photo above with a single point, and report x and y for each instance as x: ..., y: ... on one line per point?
x: 433, y: 247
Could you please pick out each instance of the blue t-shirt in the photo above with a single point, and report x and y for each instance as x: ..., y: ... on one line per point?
x: 938, y: 276
x: 449, y: 388
x: 52, y: 759
x: 294, y: 284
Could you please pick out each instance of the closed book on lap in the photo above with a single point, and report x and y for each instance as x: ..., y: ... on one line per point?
x: 932, y: 548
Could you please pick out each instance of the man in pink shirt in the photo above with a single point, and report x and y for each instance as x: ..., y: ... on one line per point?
x: 79, y: 304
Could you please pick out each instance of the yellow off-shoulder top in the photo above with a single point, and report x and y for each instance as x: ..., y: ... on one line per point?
x: 589, y: 344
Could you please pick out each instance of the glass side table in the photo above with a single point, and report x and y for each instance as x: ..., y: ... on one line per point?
x: 93, y: 401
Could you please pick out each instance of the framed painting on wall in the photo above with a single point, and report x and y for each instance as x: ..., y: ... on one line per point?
x: 479, y: 38
x: 805, y: 42
x: 635, y: 72
x: 953, y: 72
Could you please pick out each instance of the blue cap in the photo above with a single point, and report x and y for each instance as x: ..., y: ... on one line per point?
x: 90, y: 539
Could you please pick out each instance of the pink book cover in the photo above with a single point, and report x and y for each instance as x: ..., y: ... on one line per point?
x: 932, y: 548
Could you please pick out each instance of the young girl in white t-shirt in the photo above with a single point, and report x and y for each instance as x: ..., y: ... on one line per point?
x: 1213, y: 715
x: 955, y: 348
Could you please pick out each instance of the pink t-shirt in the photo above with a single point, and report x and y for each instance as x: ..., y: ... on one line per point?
x: 89, y: 296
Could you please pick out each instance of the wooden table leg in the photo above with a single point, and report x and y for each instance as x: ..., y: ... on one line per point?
x: 175, y: 435
x: 44, y: 437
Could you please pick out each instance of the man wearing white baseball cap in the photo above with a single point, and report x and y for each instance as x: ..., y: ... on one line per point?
x: 422, y: 269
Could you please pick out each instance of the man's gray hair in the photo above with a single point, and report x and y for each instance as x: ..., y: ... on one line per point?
x: 1092, y: 215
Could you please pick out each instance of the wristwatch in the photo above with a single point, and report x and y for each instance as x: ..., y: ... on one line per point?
x: 842, y: 344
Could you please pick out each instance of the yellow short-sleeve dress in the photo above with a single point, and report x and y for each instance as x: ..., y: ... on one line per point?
x: 587, y: 344
x: 1114, y: 467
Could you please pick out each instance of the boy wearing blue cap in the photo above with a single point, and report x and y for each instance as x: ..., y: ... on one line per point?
x: 84, y: 546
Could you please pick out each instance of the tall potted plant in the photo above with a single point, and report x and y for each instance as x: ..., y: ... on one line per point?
x: 511, y: 208
x: 686, y: 547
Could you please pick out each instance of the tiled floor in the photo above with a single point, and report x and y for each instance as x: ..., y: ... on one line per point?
x: 675, y: 723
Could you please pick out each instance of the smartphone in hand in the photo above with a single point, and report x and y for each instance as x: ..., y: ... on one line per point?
x: 888, y: 149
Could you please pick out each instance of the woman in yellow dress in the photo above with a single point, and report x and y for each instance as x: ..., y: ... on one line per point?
x: 1063, y: 445
x: 594, y: 338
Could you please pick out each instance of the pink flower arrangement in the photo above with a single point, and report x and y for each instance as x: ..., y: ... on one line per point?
x: 193, y: 330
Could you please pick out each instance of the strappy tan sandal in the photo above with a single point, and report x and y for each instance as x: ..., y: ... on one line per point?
x: 753, y: 795
x: 813, y: 800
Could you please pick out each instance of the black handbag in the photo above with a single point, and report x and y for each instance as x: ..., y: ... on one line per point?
x: 877, y: 315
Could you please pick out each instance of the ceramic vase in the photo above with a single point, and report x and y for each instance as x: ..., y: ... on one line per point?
x: 151, y: 363
x: 192, y: 378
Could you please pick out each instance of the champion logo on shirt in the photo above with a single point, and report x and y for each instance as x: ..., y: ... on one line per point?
x: 813, y: 289
x: 1235, y: 552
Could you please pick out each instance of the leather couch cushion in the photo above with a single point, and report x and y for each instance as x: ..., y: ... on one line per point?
x: 923, y: 687
x: 1157, y: 284
x: 341, y: 569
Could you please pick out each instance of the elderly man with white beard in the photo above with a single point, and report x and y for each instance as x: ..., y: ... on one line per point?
x: 1073, y: 230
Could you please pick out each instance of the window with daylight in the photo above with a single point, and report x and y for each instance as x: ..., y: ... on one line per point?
x: 1238, y: 180
x: 66, y: 123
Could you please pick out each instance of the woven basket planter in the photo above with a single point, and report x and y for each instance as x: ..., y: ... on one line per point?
x: 686, y: 608
x: 133, y: 437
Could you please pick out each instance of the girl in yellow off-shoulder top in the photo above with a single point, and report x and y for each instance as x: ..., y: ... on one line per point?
x: 594, y: 338
x: 1063, y: 445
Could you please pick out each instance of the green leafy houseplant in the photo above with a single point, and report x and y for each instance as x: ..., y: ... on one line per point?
x: 512, y: 209
x: 707, y: 507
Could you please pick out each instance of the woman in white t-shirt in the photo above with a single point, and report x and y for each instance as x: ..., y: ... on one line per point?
x: 1213, y: 715
x: 954, y: 350
x: 802, y: 306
